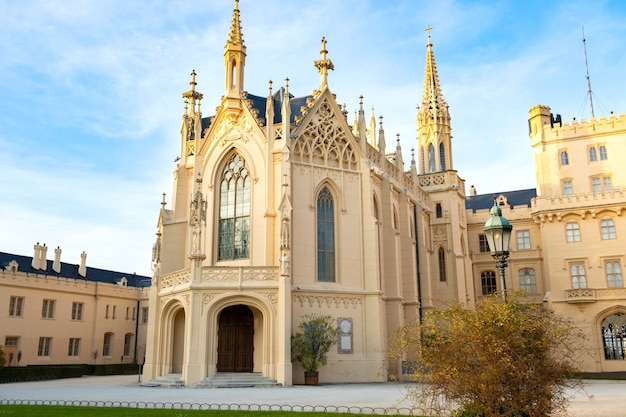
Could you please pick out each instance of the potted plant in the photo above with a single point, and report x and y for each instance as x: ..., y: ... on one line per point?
x: 310, y: 346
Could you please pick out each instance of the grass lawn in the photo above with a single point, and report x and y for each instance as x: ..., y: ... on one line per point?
x: 68, y: 411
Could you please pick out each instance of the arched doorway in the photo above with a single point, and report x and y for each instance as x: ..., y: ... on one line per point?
x: 178, y: 342
x: 235, y: 340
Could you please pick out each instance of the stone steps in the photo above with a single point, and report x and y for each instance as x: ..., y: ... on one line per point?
x: 170, y: 380
x: 236, y: 380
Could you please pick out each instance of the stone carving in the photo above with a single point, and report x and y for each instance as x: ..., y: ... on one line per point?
x: 322, y: 301
x: 324, y: 141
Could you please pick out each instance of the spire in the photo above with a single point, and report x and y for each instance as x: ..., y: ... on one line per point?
x: 286, y: 113
x: 433, y: 120
x: 399, y: 160
x: 381, y: 137
x: 431, y: 96
x: 323, y: 65
x: 372, y: 129
x: 234, y: 56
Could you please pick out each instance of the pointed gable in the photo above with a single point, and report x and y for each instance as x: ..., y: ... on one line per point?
x: 324, y: 138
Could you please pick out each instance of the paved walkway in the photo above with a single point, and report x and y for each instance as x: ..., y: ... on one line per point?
x: 608, y: 398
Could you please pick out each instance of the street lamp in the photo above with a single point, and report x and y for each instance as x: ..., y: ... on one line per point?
x: 498, y: 233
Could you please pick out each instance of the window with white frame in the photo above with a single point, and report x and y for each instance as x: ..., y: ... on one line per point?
x: 577, y: 272
x: 568, y: 188
x: 523, y: 239
x: 47, y: 309
x: 603, y: 154
x: 77, y: 311
x: 613, y: 274
x: 607, y: 229
x: 45, y: 346
x: 16, y: 306
x: 572, y: 230
x: 73, y: 348
x: 527, y: 280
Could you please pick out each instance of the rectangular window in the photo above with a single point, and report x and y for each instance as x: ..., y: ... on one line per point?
x: 613, y: 274
x: 488, y: 282
x: 483, y: 245
x: 127, y: 313
x: 73, y: 348
x: 607, y: 228
x: 144, y: 315
x: 45, y: 346
x: 16, y: 306
x: 114, y: 312
x: 577, y: 271
x: 527, y: 280
x: 607, y: 184
x: 106, y: 314
x: 128, y: 342
x: 47, y: 309
x: 596, y: 186
x: 523, y: 240
x: 134, y: 311
x: 77, y: 311
x: 442, y: 265
x: 564, y: 158
x: 11, y: 341
x: 573, y: 232
x: 593, y: 154
x: 603, y: 154
x: 438, y: 211
x: 568, y: 189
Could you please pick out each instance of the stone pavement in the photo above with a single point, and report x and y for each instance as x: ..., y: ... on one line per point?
x: 608, y: 398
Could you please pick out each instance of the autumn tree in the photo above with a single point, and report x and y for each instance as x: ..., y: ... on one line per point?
x: 502, y: 358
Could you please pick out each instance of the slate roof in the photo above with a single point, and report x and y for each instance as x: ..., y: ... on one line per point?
x: 260, y: 104
x: 514, y: 198
x: 70, y: 271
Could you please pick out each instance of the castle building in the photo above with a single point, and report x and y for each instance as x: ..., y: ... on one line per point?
x: 281, y: 208
x: 568, y: 248
x: 57, y: 313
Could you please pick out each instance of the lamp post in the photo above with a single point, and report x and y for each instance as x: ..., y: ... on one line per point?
x: 498, y: 233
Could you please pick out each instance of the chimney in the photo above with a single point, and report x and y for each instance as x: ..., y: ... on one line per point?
x: 472, y: 190
x: 36, y: 255
x: 82, y: 268
x: 56, y: 265
x: 43, y: 261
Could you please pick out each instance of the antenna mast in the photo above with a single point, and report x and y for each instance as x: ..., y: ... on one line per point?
x: 588, y: 79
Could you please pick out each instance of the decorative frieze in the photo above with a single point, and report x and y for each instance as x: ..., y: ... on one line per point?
x: 328, y: 301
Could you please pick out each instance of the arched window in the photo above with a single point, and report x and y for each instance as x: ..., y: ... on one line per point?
x: 614, y: 336
x: 128, y: 343
x: 488, y: 282
x: 234, y: 227
x: 431, y: 158
x: 442, y: 157
x: 564, y: 158
x: 441, y: 255
x: 527, y: 280
x: 107, y: 344
x: 593, y: 154
x: 603, y: 154
x: 325, y: 236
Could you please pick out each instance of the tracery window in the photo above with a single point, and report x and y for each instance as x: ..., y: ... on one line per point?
x: 613, y: 336
x: 234, y: 227
x: 325, y: 236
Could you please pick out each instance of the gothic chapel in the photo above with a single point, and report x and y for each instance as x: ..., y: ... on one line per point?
x: 281, y: 208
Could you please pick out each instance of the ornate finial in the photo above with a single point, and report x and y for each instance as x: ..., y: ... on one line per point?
x: 193, y: 82
x: 235, y: 37
x: 323, y: 65
x: 428, y: 29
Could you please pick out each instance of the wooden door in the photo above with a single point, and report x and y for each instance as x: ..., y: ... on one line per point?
x: 235, y: 343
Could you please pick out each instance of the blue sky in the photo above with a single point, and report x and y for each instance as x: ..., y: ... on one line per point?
x: 90, y: 94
